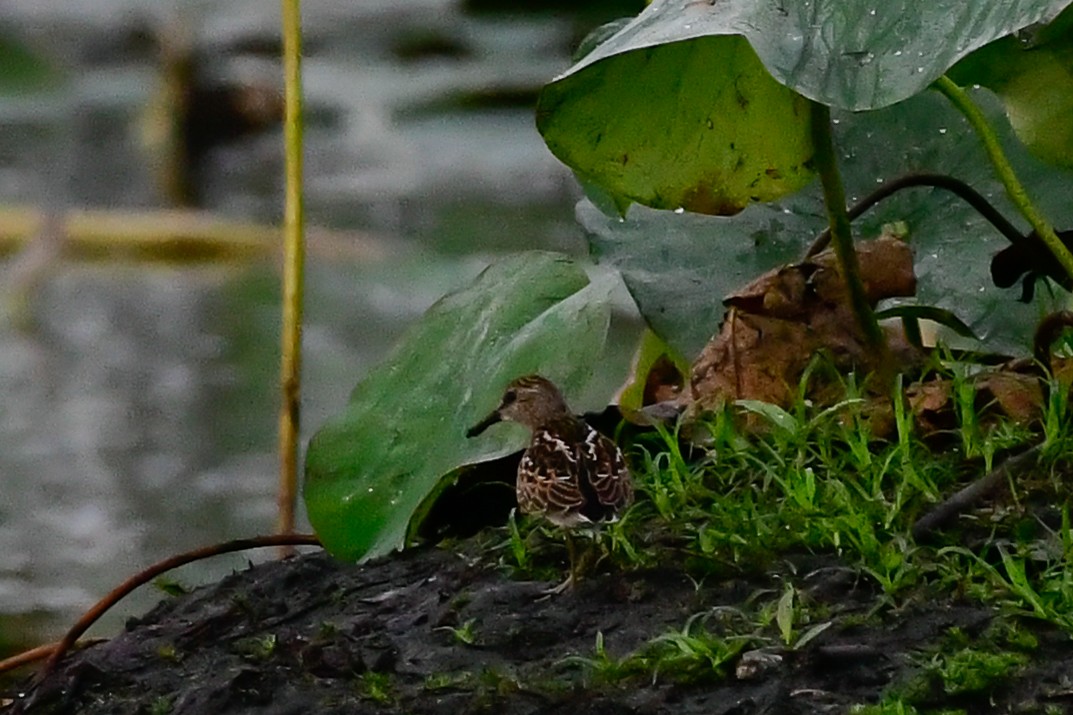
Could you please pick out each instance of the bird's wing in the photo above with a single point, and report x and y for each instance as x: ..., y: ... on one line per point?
x: 548, y: 476
x: 606, y: 471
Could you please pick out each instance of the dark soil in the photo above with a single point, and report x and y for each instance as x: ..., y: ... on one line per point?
x: 311, y: 635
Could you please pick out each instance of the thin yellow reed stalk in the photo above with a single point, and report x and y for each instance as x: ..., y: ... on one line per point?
x: 293, y: 260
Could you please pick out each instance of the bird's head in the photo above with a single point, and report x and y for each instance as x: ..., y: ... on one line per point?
x: 531, y: 400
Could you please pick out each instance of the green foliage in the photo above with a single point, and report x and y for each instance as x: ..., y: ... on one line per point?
x: 160, y: 705
x: 704, y: 649
x: 813, y: 481
x: 851, y: 54
x: 257, y: 648
x: 1032, y: 576
x: 169, y: 653
x: 518, y: 547
x: 694, y: 654
x: 961, y: 670
x: 681, y: 135
x: 817, y: 482
x: 673, y: 149
x: 887, y: 706
x: 369, y: 470
x: 170, y: 586
x: 1033, y: 74
x: 689, y: 655
x: 450, y: 681
x: 677, y: 110
x: 463, y: 634
x: 651, y: 349
x: 678, y: 267
x: 378, y: 687
x: 788, y: 616
x: 973, y: 671
x: 604, y: 668
x: 22, y: 70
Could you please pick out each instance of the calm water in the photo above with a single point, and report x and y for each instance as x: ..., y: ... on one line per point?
x: 137, y: 413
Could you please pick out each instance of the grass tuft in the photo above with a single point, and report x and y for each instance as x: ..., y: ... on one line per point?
x: 815, y: 481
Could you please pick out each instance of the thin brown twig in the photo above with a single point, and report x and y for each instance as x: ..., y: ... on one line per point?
x: 35, y: 654
x: 148, y: 574
x: 1048, y: 331
x: 965, y: 499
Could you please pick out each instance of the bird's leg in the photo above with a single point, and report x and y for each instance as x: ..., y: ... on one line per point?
x: 594, y: 550
x: 571, y: 553
x: 571, y: 580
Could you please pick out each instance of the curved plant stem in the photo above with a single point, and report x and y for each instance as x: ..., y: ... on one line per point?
x: 960, y: 99
x: 942, y: 181
x: 293, y: 260
x: 39, y: 653
x: 834, y: 197
x: 146, y: 575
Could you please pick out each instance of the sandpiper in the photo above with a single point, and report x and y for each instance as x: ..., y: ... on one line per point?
x: 570, y: 474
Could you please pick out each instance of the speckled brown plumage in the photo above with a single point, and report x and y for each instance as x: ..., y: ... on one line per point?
x: 570, y: 474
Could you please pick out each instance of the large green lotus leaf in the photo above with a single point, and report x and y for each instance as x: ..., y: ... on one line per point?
x: 1033, y: 74
x: 952, y: 244
x: 678, y: 267
x: 698, y: 125
x: 369, y: 469
x: 850, y: 54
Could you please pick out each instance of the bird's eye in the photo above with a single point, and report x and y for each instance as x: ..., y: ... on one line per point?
x: 509, y: 396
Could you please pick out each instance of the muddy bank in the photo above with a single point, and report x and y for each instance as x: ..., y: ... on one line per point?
x: 444, y: 630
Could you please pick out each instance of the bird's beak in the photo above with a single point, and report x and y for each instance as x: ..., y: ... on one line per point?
x: 484, y: 424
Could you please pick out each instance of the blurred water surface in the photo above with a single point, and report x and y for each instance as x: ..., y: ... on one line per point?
x: 137, y: 414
